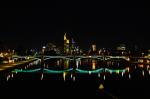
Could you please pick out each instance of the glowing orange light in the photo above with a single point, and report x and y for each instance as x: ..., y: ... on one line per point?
x: 147, y: 61
x: 93, y: 65
x: 141, y: 65
x: 141, y: 60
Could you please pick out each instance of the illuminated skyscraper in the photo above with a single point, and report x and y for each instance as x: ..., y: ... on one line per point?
x: 66, y: 45
x: 72, y: 48
x: 93, y: 47
x: 93, y: 50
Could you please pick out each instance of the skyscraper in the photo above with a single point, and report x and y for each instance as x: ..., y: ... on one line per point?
x: 93, y: 47
x: 72, y: 48
x: 66, y: 44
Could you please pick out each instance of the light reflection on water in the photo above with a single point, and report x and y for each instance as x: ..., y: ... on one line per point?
x: 88, y: 66
x: 83, y: 64
x: 93, y: 64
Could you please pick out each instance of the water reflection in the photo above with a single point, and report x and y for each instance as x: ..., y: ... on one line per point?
x: 42, y: 76
x: 84, y: 64
x: 93, y: 64
x: 71, y: 76
x: 66, y: 63
x: 69, y: 68
x: 90, y: 64
x: 77, y: 63
x: 58, y: 64
x: 99, y: 75
x: 74, y: 78
x: 64, y: 76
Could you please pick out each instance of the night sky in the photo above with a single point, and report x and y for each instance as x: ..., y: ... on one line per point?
x: 104, y: 23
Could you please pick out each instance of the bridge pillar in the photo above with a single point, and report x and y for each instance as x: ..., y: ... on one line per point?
x: 74, y: 62
x: 42, y: 59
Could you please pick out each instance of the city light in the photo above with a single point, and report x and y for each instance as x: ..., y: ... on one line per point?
x: 129, y: 76
x: 68, y: 41
x: 141, y: 65
x: 128, y: 69
x: 77, y: 63
x: 71, y: 75
x: 104, y: 77
x: 143, y: 73
x: 101, y: 86
x: 12, y: 75
x: 42, y: 76
x: 93, y: 66
x: 122, y: 74
x: 64, y: 76
x: 73, y: 64
x: 44, y: 47
x: 8, y: 77
x: 89, y: 72
x: 74, y: 78
x: 115, y: 71
x: 99, y: 75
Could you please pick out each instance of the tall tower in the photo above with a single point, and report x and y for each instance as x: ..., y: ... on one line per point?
x: 93, y: 47
x: 66, y: 44
x: 72, y: 49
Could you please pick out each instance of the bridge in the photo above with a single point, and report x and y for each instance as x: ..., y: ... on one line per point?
x: 79, y: 57
x: 25, y: 57
x: 71, y: 57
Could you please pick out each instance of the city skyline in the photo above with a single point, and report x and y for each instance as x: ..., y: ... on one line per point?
x: 82, y: 42
x: 105, y: 23
x: 74, y: 49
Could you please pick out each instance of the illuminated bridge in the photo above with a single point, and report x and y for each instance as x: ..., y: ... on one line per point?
x: 71, y: 57
x: 16, y: 57
x: 79, y: 57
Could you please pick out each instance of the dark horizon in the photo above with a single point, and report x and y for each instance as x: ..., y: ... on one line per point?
x: 106, y: 24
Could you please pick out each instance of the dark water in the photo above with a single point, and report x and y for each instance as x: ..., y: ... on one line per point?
x: 132, y: 84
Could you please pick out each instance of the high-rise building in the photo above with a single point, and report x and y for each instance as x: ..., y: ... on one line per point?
x: 93, y: 50
x: 73, y: 47
x: 50, y: 46
x: 93, y: 47
x: 70, y: 46
x: 122, y: 50
x: 66, y: 45
x: 121, y: 47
